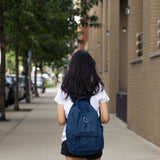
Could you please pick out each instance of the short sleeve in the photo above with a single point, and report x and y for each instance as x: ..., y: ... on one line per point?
x: 103, y: 97
x: 60, y: 97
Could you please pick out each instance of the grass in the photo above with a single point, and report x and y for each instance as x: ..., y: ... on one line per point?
x: 51, y: 85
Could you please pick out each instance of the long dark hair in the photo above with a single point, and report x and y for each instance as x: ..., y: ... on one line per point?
x: 81, y: 78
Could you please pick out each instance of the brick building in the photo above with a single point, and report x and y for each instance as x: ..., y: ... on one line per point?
x: 127, y: 51
x: 84, y: 38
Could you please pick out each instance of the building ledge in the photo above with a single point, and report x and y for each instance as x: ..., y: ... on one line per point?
x: 136, y: 60
x: 122, y: 93
x: 155, y: 54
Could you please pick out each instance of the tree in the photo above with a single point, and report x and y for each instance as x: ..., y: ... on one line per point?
x: 51, y: 24
x: 16, y: 106
x: 2, y: 72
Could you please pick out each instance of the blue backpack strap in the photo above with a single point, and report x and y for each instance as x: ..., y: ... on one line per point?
x: 80, y: 98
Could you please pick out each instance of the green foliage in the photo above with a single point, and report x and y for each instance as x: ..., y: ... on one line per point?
x: 47, y: 27
x: 51, y: 85
x: 10, y: 63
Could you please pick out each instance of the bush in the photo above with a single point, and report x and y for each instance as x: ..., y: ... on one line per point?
x: 51, y: 85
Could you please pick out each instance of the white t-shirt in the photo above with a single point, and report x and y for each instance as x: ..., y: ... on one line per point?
x: 60, y: 98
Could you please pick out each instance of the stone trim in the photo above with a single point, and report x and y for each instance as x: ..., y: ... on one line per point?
x: 154, y: 54
x: 136, y: 60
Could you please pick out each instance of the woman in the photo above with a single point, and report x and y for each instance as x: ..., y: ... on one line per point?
x: 81, y: 80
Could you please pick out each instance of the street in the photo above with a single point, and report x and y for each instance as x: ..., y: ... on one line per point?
x: 33, y: 134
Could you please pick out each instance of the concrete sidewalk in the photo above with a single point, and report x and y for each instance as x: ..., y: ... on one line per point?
x: 33, y: 134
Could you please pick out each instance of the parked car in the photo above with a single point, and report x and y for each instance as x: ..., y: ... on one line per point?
x: 40, y: 83
x: 23, y: 84
x: 12, y: 80
x: 9, y: 92
x: 6, y: 92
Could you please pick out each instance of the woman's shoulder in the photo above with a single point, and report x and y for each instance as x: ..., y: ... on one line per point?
x: 101, y: 95
x: 60, y: 96
x: 61, y: 92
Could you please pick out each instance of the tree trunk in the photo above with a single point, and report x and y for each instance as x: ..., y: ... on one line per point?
x: 41, y: 69
x: 35, y: 76
x: 26, y: 79
x: 16, y: 106
x: 2, y: 66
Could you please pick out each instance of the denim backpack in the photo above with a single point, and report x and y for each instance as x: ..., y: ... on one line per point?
x: 84, y: 131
